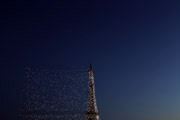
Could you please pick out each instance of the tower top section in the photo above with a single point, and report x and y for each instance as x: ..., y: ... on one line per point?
x: 90, y: 68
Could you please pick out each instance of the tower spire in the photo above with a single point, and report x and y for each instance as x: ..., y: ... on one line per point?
x: 92, y: 111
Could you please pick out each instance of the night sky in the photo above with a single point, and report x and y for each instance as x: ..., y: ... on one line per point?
x: 133, y: 45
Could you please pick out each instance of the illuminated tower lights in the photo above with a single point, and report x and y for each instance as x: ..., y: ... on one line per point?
x: 92, y: 111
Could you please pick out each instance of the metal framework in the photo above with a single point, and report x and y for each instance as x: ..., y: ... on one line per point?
x: 92, y: 111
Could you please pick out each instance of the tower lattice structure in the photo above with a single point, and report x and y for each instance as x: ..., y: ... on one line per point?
x: 92, y: 111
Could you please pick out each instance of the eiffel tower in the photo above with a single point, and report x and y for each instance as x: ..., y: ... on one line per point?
x: 92, y: 111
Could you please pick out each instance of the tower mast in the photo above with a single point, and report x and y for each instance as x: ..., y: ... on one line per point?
x: 92, y: 111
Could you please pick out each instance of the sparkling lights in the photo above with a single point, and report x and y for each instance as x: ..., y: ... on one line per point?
x: 53, y: 94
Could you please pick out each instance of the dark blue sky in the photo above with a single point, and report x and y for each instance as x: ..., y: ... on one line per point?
x: 134, y: 46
